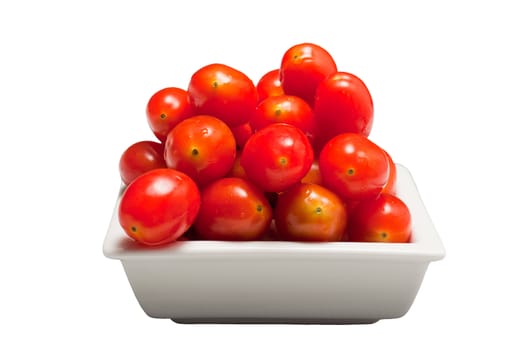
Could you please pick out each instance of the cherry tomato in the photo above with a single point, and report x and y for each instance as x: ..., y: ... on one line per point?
x: 385, y: 218
x: 269, y: 85
x: 313, y: 175
x: 139, y: 158
x: 159, y: 206
x: 284, y: 109
x: 302, y: 69
x: 392, y: 177
x: 310, y: 212
x: 224, y: 92
x: 233, y: 209
x: 241, y: 134
x: 353, y: 166
x: 277, y: 156
x: 202, y: 147
x: 342, y: 104
x: 165, y: 109
x: 237, y: 169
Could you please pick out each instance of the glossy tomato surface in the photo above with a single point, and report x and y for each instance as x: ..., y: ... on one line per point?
x: 277, y: 156
x: 392, y: 177
x: 342, y: 104
x: 310, y: 212
x: 159, y: 206
x: 353, y: 166
x: 139, y: 158
x: 269, y: 85
x: 202, y: 147
x: 224, y: 92
x: 166, y: 108
x: 233, y: 209
x: 385, y: 218
x: 284, y: 109
x: 303, y: 67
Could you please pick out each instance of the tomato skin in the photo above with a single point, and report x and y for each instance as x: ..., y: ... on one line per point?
x: 269, y: 85
x: 276, y: 157
x: 224, y: 92
x: 313, y: 175
x: 202, y: 147
x: 343, y: 103
x: 241, y: 134
x: 165, y: 109
x: 303, y: 67
x: 233, y: 209
x: 139, y: 158
x: 385, y: 218
x: 284, y: 109
x: 159, y: 206
x: 353, y: 166
x: 310, y: 212
x: 392, y: 177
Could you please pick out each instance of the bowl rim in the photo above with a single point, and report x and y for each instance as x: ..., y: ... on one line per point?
x: 425, y: 246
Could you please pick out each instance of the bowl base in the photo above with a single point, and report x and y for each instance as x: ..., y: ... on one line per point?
x: 228, y: 320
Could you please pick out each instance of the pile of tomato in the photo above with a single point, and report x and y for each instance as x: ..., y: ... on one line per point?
x: 287, y: 158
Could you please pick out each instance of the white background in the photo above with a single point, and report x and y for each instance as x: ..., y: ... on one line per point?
x: 448, y: 81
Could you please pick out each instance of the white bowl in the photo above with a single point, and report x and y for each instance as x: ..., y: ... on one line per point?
x: 281, y: 282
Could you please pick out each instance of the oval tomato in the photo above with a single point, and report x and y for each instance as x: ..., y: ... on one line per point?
x: 165, y: 109
x: 342, y: 104
x: 313, y: 176
x: 353, y: 166
x: 224, y: 92
x: 139, y: 158
x: 277, y: 156
x: 392, y: 177
x: 202, y: 147
x: 284, y: 109
x: 303, y: 67
x: 310, y: 212
x: 233, y: 209
x: 159, y: 206
x: 269, y: 85
x: 385, y: 218
x: 241, y: 134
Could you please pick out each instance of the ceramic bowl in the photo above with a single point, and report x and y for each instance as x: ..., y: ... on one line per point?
x: 281, y: 282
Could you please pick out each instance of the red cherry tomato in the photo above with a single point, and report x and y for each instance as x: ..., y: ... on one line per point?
x: 159, y: 206
x: 139, y: 158
x: 353, y: 166
x: 237, y: 169
x: 224, y: 92
x: 241, y: 134
x: 165, y: 109
x: 233, y: 209
x: 277, y: 156
x: 202, y: 147
x: 310, y: 212
x: 385, y: 218
x: 392, y: 177
x: 269, y: 85
x: 313, y: 176
x: 302, y: 69
x: 342, y: 104
x: 284, y: 109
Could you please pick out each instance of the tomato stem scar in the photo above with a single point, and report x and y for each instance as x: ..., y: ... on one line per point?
x: 259, y: 208
x: 350, y: 171
x: 163, y: 116
x: 195, y: 152
x: 133, y: 228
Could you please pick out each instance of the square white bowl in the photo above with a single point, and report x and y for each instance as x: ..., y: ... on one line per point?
x: 281, y: 282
